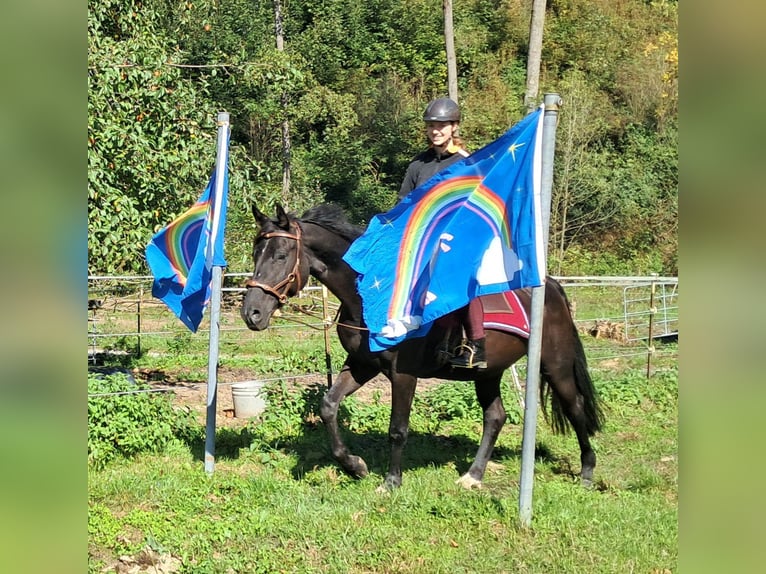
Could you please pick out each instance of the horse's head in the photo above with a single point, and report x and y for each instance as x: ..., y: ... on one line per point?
x: 279, y: 269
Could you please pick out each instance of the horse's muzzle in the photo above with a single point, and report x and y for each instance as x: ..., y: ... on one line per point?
x: 254, y: 319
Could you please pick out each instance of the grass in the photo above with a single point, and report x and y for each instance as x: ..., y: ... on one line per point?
x: 278, y: 503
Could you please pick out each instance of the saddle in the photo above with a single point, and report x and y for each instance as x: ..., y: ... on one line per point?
x: 502, y: 312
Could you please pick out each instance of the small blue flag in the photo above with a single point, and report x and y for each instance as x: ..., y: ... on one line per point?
x: 181, y: 256
x: 473, y: 228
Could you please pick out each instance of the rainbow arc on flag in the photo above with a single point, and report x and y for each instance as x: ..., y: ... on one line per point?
x: 474, y: 228
x: 182, y: 254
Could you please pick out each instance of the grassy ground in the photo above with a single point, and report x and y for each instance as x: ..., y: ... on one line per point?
x: 278, y: 503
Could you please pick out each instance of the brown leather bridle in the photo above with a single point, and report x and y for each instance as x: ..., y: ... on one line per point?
x: 294, y: 275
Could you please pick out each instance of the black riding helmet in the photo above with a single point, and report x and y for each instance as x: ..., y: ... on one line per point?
x: 442, y: 110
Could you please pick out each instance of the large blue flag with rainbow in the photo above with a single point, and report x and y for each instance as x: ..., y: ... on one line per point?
x: 474, y: 228
x: 181, y: 256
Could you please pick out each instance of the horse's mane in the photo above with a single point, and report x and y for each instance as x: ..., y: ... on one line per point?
x: 332, y: 218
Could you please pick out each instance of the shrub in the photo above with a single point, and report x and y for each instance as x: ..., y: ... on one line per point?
x: 124, y: 419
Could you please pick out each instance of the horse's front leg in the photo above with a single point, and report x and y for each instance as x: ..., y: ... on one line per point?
x: 350, y: 379
x: 402, y: 393
x: 488, y: 395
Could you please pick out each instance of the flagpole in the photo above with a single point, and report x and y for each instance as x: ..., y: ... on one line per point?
x: 221, y: 165
x: 550, y: 119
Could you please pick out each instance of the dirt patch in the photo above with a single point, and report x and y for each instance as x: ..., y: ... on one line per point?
x: 192, y: 395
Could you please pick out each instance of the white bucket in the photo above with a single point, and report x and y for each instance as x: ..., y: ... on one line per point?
x: 248, y: 400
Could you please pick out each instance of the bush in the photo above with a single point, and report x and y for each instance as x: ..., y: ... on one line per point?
x: 123, y: 421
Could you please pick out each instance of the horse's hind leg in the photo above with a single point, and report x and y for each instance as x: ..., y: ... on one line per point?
x: 488, y: 395
x: 402, y: 394
x: 350, y: 379
x: 578, y: 408
x: 565, y: 369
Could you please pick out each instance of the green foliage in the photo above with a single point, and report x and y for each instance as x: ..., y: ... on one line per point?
x: 287, y: 412
x: 138, y: 109
x: 352, y: 82
x: 630, y: 211
x: 151, y: 135
x: 635, y: 389
x: 284, y: 493
x: 579, y: 260
x: 179, y: 344
x: 451, y: 400
x: 365, y: 417
x: 125, y: 420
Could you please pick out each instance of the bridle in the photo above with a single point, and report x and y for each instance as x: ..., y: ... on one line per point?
x: 294, y: 275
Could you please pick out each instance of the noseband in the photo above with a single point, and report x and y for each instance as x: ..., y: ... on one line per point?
x: 280, y: 289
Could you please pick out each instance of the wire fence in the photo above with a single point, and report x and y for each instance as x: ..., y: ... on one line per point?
x: 618, y: 317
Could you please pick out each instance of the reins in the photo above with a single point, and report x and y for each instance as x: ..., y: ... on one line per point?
x: 327, y: 323
x: 294, y: 275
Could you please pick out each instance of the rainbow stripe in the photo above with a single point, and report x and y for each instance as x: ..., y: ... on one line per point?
x: 182, y: 237
x: 437, y: 204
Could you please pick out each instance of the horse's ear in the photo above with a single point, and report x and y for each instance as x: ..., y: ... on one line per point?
x: 260, y: 217
x: 282, y: 218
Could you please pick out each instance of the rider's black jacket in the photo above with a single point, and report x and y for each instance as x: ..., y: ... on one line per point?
x: 427, y: 164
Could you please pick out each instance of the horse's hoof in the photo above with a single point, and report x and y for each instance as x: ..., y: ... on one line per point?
x: 468, y: 482
x: 390, y: 484
x: 356, y: 467
x: 383, y: 489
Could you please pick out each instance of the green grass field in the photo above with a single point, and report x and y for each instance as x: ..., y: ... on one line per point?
x: 277, y: 502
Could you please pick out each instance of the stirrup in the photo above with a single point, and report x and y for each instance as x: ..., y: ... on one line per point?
x: 467, y: 358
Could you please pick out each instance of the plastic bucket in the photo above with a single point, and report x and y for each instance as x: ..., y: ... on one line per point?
x: 248, y: 400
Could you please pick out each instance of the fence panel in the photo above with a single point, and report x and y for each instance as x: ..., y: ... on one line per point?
x: 612, y: 313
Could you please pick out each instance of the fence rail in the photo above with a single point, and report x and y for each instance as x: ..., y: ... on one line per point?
x: 632, y: 311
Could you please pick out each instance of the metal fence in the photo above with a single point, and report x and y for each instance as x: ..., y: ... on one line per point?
x: 631, y: 311
x: 651, y: 312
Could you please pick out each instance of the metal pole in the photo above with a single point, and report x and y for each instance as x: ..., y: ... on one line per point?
x: 652, y: 311
x: 212, y: 369
x: 552, y: 103
x: 138, y: 315
x: 215, y: 297
x: 327, y: 324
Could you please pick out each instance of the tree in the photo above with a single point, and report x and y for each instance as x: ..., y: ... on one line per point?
x: 151, y: 134
x: 286, y: 145
x: 449, y: 44
x: 581, y: 124
x: 534, y: 54
x: 149, y: 149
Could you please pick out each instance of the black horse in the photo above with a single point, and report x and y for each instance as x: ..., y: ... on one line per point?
x: 288, y: 249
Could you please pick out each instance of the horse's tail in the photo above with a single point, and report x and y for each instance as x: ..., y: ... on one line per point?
x: 594, y: 415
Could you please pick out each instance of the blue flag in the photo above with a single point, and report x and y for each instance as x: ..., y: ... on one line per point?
x: 181, y: 256
x: 473, y: 228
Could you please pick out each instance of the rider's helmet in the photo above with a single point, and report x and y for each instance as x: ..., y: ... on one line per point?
x: 442, y: 110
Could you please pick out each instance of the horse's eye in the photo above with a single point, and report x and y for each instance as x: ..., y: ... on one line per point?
x: 280, y: 256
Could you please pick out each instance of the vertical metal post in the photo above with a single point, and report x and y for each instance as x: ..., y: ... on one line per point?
x: 652, y: 312
x: 138, y: 315
x: 215, y: 298
x: 212, y: 369
x: 327, y: 323
x: 550, y: 120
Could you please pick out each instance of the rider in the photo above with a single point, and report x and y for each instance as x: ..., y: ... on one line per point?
x: 442, y: 119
